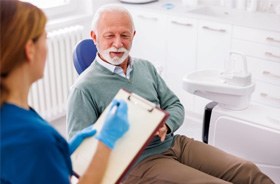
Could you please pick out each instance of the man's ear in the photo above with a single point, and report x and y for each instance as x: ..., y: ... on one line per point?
x: 93, y: 36
x: 30, y: 50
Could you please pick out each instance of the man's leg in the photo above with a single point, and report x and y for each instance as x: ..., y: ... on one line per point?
x: 217, y: 163
x: 166, y: 169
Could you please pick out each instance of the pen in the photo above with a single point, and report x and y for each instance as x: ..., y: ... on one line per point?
x: 114, y: 108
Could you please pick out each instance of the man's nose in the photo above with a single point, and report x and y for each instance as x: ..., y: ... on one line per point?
x: 118, y: 42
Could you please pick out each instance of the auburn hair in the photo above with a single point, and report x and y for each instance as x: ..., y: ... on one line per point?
x: 20, y: 22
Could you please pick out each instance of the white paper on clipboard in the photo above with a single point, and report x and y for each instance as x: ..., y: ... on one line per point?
x: 144, y: 119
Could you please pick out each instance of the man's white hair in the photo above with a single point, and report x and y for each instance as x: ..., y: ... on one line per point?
x: 109, y: 8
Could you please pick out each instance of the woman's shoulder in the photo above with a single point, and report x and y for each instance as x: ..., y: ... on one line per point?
x: 25, y: 126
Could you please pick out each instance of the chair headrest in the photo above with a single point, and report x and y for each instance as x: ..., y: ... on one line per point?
x: 84, y: 54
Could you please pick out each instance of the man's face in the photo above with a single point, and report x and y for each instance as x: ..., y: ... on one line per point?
x: 114, y: 37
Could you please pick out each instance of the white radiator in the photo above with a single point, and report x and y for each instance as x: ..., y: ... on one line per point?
x: 49, y: 95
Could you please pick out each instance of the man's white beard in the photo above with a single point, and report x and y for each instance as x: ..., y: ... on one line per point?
x: 115, y: 60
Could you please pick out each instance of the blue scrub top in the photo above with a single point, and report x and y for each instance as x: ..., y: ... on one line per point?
x: 31, y: 150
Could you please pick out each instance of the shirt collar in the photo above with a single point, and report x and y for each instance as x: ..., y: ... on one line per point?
x: 105, y: 64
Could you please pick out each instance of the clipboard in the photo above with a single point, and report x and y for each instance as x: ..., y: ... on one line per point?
x: 144, y: 120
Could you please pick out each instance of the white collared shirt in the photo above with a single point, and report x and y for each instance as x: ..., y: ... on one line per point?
x: 116, y: 69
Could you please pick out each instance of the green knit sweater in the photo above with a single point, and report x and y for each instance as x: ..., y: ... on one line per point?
x: 97, y: 86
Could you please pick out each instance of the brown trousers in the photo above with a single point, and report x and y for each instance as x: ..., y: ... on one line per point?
x: 192, y: 162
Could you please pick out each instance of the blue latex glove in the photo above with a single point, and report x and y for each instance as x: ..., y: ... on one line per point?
x: 116, y: 124
x: 79, y: 137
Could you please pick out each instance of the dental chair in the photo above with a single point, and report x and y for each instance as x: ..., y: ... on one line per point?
x: 252, y: 133
x: 84, y: 54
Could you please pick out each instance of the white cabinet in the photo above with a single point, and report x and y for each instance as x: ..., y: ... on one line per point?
x: 149, y: 42
x: 213, y: 46
x: 177, y: 45
x: 180, y: 60
x: 262, y: 50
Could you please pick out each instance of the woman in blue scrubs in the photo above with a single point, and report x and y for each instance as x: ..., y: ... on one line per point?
x: 31, y: 150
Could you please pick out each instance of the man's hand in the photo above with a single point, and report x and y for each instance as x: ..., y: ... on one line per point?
x: 162, y: 132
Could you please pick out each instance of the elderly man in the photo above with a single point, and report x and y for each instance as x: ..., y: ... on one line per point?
x: 168, y: 158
